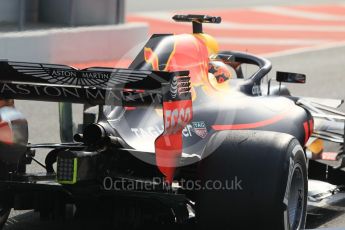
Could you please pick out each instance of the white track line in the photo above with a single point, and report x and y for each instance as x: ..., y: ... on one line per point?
x: 277, y: 27
x: 304, y: 50
x: 166, y: 17
x: 271, y: 42
x: 299, y: 13
x: 159, y: 15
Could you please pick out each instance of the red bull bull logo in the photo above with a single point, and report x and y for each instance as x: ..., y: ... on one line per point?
x: 151, y: 58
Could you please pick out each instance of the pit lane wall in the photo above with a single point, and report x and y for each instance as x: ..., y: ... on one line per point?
x: 75, y: 44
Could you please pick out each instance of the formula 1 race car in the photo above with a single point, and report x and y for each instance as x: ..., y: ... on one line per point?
x: 183, y: 135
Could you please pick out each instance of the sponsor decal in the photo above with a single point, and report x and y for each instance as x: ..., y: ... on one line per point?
x: 155, y: 131
x: 80, y: 74
x: 256, y: 90
x: 68, y: 93
x: 63, y: 73
x: 95, y: 75
x: 200, y: 129
x: 195, y: 128
x: 187, y: 131
x: 152, y: 131
x: 177, y: 115
x: 69, y: 76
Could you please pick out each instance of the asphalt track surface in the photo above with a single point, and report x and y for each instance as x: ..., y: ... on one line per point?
x: 310, y: 42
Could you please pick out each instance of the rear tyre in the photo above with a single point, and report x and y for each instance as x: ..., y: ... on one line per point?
x: 265, y: 179
x: 5, y: 198
x: 4, y: 213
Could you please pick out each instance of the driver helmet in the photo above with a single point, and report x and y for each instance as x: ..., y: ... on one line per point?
x: 220, y: 71
x: 219, y: 75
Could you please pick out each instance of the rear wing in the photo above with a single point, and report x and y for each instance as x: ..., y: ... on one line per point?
x: 99, y: 86
x: 95, y: 86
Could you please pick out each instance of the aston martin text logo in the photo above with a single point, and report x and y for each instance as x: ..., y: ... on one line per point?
x: 70, y: 93
x: 63, y: 73
x: 82, y: 74
x: 200, y: 128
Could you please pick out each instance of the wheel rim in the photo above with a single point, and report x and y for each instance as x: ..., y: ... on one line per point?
x: 296, y: 198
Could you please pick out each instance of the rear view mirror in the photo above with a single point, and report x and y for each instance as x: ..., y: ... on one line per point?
x: 291, y: 77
